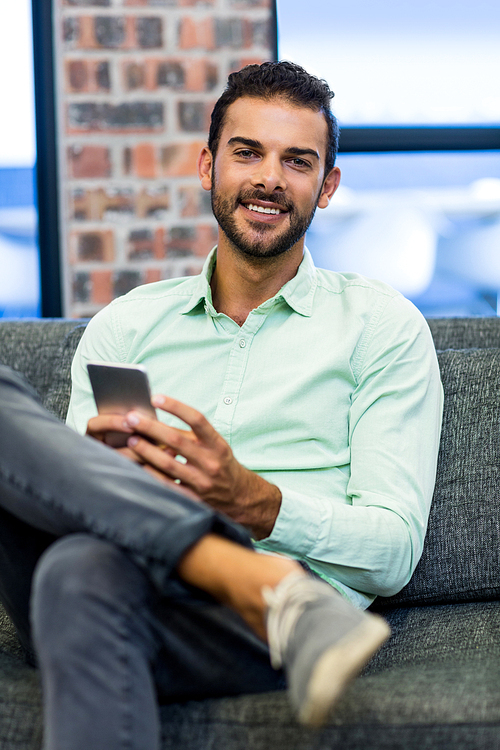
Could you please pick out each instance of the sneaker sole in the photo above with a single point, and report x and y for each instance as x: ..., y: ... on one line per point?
x: 338, y: 665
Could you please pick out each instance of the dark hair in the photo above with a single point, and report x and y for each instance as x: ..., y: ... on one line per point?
x: 278, y: 79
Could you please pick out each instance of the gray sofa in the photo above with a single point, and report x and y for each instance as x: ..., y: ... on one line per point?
x: 436, y: 683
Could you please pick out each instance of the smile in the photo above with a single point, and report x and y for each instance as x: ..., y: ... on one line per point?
x: 262, y: 210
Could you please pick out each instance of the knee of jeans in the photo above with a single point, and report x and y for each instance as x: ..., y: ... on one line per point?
x: 76, y: 577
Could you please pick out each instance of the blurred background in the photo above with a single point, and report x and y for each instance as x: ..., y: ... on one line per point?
x: 410, y: 76
x: 107, y: 102
x: 19, y: 266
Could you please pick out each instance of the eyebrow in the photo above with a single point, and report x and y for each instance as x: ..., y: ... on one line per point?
x: 251, y: 143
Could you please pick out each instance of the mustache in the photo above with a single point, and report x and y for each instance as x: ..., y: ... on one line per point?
x: 260, y: 195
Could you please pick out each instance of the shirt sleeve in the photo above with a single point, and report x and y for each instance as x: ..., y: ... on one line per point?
x: 371, y: 540
x: 101, y: 342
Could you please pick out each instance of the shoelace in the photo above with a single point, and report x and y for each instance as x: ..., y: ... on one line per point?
x: 286, y: 603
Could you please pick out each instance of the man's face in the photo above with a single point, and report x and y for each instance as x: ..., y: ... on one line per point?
x: 268, y: 178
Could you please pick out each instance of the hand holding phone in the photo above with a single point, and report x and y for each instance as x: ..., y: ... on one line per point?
x: 119, y: 389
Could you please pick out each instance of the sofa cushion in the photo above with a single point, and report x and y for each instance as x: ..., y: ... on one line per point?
x: 465, y: 333
x: 435, y: 683
x: 42, y: 351
x: 57, y: 398
x: 461, y: 557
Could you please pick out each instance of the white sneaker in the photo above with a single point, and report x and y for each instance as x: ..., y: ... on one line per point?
x: 321, y: 640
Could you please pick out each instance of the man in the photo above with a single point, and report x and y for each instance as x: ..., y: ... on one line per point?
x: 302, y: 405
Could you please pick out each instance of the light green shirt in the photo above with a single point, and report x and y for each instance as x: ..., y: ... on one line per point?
x: 330, y: 390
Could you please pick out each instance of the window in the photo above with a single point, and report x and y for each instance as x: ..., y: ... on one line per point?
x: 419, y: 106
x: 19, y: 278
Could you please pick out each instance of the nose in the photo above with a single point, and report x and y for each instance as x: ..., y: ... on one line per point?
x: 269, y: 175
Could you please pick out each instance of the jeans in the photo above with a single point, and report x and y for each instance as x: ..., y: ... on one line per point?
x: 89, y: 544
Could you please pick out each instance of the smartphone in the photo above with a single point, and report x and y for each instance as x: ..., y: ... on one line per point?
x: 119, y: 389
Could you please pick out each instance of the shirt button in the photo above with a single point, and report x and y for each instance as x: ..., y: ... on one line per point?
x: 228, y: 400
x: 243, y: 343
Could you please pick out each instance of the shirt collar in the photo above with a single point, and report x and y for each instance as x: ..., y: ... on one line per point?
x: 298, y: 293
x: 202, y: 291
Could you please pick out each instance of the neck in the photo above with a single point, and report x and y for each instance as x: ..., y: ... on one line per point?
x: 241, y: 284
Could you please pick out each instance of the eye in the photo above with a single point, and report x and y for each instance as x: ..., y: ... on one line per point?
x: 245, y: 153
x: 298, y: 162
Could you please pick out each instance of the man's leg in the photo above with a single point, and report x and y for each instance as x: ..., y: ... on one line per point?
x: 105, y: 639
x: 20, y: 548
x: 61, y: 483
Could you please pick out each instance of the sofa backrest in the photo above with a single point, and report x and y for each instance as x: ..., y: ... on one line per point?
x: 42, y: 350
x: 461, y: 557
x: 465, y: 333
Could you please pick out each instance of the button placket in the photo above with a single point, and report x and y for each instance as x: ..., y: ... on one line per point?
x: 237, y: 362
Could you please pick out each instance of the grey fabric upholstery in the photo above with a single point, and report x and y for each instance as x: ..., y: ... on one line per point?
x: 42, y: 350
x: 436, y: 683
x: 461, y: 558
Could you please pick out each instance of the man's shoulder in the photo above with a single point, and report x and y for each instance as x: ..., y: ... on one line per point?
x: 353, y: 284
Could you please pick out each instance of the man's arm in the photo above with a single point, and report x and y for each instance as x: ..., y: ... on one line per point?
x: 209, y: 467
x: 371, y: 539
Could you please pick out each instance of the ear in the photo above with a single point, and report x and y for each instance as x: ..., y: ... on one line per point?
x: 205, y: 166
x: 330, y: 185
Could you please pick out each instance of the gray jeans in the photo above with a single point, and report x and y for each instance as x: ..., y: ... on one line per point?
x: 88, y: 549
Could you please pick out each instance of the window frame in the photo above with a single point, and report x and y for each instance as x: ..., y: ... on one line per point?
x: 406, y: 138
x: 47, y: 188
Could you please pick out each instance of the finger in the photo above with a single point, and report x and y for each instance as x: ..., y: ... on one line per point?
x: 175, y: 441
x: 176, y: 486
x: 195, y: 419
x: 165, y: 462
x: 101, y: 424
x: 130, y: 454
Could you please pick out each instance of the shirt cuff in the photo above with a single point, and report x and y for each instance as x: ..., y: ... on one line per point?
x: 297, y: 526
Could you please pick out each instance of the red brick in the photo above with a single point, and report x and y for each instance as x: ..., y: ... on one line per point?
x: 124, y: 281
x: 130, y: 35
x: 127, y: 160
x: 242, y: 62
x: 191, y: 3
x: 149, y: 32
x: 151, y: 275
x: 134, y: 74
x: 89, y: 161
x: 201, y: 75
x: 93, y: 246
x: 153, y: 202
x: 77, y: 75
x: 125, y: 117
x: 196, y: 34
x: 249, y: 4
x: 87, y: 76
x: 144, y: 161
x: 102, y: 3
x: 159, y: 244
x: 145, y: 244
x: 180, y: 160
x: 192, y: 240
x: 102, y: 289
x: 140, y: 244
x: 99, y: 204
x: 86, y: 37
x: 194, y: 201
x: 206, y: 238
x: 81, y: 287
x: 167, y: 72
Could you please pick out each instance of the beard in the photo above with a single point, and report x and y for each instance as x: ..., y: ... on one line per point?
x: 265, y: 244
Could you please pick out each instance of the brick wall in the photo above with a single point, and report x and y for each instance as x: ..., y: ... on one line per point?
x: 137, y: 80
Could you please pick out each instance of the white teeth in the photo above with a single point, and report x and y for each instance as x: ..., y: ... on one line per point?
x: 262, y: 210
